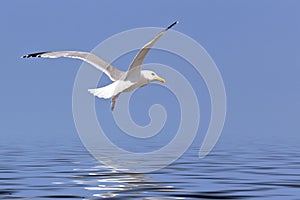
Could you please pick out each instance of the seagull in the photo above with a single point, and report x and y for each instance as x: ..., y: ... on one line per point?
x: 127, y: 81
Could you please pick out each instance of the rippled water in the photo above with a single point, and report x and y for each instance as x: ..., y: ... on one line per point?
x: 231, y: 172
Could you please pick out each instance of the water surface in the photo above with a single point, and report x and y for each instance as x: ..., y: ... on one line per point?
x: 57, y: 171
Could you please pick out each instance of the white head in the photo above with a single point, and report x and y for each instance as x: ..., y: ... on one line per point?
x: 151, y: 76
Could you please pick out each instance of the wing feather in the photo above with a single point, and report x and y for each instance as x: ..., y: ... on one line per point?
x: 136, y: 64
x: 112, y: 72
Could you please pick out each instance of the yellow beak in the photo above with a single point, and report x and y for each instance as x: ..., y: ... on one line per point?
x: 160, y: 79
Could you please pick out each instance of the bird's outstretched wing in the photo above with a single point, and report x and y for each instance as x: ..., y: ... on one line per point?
x: 136, y: 64
x: 112, y: 72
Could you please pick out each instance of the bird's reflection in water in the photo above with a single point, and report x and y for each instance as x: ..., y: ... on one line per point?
x: 110, y: 183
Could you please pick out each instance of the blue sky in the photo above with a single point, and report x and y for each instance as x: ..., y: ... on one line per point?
x: 255, y: 45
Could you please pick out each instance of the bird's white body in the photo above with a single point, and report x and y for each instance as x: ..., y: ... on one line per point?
x: 114, y: 89
x: 122, y: 81
x: 125, y: 85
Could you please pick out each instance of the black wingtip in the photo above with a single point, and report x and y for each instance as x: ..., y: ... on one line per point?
x: 33, y: 55
x: 172, y: 25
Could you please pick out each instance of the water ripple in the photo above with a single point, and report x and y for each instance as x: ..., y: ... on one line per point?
x: 58, y: 173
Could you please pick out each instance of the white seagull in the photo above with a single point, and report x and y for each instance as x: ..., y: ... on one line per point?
x: 134, y: 78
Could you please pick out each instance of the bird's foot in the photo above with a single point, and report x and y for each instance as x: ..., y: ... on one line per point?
x: 112, y: 105
x: 113, y: 102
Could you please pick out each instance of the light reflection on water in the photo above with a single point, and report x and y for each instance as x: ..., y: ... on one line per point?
x: 264, y: 172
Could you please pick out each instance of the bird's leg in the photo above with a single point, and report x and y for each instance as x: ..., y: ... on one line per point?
x: 113, y: 101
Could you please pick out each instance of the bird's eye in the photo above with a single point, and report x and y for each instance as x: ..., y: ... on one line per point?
x: 152, y: 74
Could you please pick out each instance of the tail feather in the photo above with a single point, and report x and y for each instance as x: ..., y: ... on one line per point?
x: 101, y: 93
x: 110, y: 90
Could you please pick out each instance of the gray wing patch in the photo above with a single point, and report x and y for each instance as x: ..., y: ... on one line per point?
x: 112, y: 72
x: 139, y: 58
